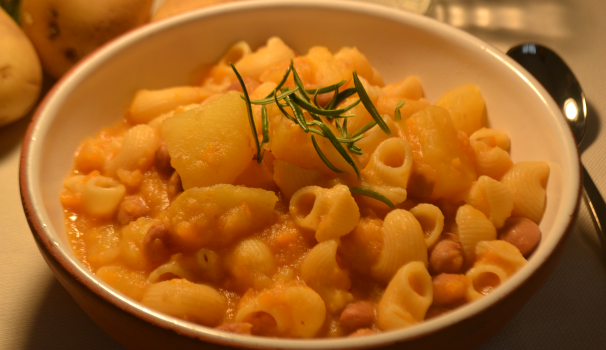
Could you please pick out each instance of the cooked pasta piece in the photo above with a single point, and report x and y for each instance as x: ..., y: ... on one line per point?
x: 137, y: 153
x: 177, y: 266
x: 491, y: 161
x: 332, y: 213
x: 527, y: 181
x: 406, y: 298
x: 373, y: 138
x: 251, y: 264
x: 472, y: 228
x: 388, y: 170
x: 432, y: 221
x: 496, y: 261
x: 403, y: 242
x: 149, y: 104
x: 283, y: 310
x: 492, y: 198
x: 101, y: 196
x: 492, y: 138
x: 322, y: 273
x: 186, y: 300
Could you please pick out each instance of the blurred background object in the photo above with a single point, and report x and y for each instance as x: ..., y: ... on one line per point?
x: 20, y: 72
x: 416, y: 6
x: 64, y: 31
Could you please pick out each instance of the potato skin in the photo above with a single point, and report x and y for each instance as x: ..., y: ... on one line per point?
x: 20, y: 71
x: 64, y: 31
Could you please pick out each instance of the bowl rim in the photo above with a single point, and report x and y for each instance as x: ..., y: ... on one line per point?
x: 43, y: 233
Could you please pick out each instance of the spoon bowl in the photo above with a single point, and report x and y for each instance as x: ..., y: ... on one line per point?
x: 557, y: 78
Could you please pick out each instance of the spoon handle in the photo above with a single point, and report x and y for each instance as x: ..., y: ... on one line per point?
x: 595, y: 202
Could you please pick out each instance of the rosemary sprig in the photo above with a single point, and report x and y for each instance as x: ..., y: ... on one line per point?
x: 298, y: 99
x: 326, y: 89
x: 273, y: 97
x: 264, y: 126
x: 396, y: 114
x: 341, y: 96
x: 323, y: 157
x: 251, y: 120
x: 283, y: 81
x: 298, y: 114
x: 335, y: 142
x: 372, y: 194
x: 368, y: 104
x: 324, y: 112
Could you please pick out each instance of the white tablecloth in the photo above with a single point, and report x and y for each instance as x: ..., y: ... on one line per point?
x: 569, y: 312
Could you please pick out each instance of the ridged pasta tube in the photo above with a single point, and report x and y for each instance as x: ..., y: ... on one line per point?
x: 188, y: 301
x: 101, y: 196
x: 137, y: 153
x: 495, y: 262
x: 332, y: 213
x: 251, y: 263
x: 432, y: 221
x: 473, y: 227
x: 403, y: 242
x: 297, y: 311
x: 389, y: 168
x: 322, y: 273
x: 407, y: 297
x: 527, y: 181
x: 491, y: 161
x: 492, y: 138
x: 492, y: 198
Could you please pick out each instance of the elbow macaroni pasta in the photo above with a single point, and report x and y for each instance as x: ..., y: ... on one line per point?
x: 172, y: 207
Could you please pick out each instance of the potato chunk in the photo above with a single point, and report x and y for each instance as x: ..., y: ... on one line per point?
x: 212, y: 144
x: 443, y: 164
x: 217, y: 215
x: 466, y: 106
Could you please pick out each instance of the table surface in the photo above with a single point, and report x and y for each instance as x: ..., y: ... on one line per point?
x: 568, y: 312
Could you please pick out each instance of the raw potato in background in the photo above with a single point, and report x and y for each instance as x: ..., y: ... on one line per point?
x: 20, y: 72
x: 174, y: 7
x: 64, y: 31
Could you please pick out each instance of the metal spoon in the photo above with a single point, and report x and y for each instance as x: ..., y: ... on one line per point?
x: 551, y: 71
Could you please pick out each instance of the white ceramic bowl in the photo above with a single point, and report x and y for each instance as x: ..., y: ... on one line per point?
x: 97, y: 91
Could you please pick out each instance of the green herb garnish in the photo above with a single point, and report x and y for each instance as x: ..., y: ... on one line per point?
x: 299, y: 100
x: 251, y: 120
x: 372, y: 194
x: 396, y: 114
x: 368, y: 104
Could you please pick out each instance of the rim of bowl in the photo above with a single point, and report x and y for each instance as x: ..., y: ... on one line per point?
x: 37, y: 217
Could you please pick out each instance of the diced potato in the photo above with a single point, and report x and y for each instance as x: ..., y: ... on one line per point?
x: 210, y: 145
x: 274, y: 52
x: 215, y: 216
x: 289, y: 142
x: 443, y: 164
x: 326, y: 70
x: 355, y: 60
x: 466, y: 106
